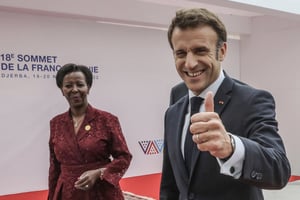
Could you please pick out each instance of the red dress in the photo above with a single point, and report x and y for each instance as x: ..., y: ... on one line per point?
x: 98, y: 143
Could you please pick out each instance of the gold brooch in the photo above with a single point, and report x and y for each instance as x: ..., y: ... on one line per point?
x: 87, y: 127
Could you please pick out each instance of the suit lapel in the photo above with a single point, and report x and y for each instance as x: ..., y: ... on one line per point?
x: 223, y: 95
x: 89, y: 117
x: 179, y: 117
x: 66, y: 126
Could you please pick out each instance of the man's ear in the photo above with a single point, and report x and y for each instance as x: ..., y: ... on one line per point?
x: 222, y: 51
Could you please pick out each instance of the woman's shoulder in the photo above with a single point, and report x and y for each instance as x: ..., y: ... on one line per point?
x: 59, y: 117
x: 103, y: 113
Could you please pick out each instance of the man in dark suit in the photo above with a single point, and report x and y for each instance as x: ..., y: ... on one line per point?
x: 236, y: 150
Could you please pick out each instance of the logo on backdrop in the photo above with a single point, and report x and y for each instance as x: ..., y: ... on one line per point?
x: 150, y: 147
x: 28, y: 66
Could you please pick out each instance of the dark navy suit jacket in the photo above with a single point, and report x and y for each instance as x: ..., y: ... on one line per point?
x: 249, y: 114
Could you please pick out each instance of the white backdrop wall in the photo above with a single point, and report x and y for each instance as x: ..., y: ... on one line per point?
x: 134, y: 65
x: 269, y: 61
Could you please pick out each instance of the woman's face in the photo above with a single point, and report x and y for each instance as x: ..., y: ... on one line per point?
x: 75, y: 89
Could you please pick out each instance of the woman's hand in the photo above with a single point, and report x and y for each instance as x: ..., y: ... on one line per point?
x: 88, y: 179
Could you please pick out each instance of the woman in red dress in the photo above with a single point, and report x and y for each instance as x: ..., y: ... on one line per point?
x: 88, y: 152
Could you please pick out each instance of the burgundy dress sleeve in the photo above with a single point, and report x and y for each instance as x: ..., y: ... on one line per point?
x: 54, y: 168
x: 119, y: 151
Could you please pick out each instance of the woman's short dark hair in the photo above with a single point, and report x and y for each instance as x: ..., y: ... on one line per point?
x: 71, y: 67
x: 195, y: 17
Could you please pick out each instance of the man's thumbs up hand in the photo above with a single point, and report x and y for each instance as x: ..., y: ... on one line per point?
x: 209, y: 132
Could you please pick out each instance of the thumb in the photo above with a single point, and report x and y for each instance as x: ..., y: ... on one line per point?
x: 209, y: 102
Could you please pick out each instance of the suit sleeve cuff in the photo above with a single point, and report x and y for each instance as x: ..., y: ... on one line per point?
x: 234, y: 165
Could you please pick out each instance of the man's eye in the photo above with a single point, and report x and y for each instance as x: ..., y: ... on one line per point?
x: 201, y: 51
x: 180, y: 54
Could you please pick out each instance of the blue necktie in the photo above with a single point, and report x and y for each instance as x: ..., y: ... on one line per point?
x: 189, y: 144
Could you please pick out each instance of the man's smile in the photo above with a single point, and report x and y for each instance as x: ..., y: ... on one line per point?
x: 194, y: 74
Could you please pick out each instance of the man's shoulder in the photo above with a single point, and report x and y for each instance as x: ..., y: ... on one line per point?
x: 248, y: 91
x: 180, y: 86
x: 177, y: 92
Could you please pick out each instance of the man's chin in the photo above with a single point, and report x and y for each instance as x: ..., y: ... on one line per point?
x: 195, y: 89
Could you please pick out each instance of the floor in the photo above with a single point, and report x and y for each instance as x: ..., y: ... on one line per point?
x: 290, y: 192
x: 145, y: 188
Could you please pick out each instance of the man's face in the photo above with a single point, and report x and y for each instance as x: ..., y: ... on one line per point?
x: 197, y: 58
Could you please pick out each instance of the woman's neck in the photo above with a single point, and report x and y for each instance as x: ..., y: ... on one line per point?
x: 78, y: 111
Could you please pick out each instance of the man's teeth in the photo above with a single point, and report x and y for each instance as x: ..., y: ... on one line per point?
x: 194, y: 74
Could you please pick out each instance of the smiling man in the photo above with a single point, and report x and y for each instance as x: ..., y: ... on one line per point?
x: 230, y: 149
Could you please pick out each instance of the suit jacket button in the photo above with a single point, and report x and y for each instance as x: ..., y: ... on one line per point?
x: 232, y: 170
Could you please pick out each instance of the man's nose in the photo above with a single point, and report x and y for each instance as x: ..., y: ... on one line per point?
x: 191, y: 60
